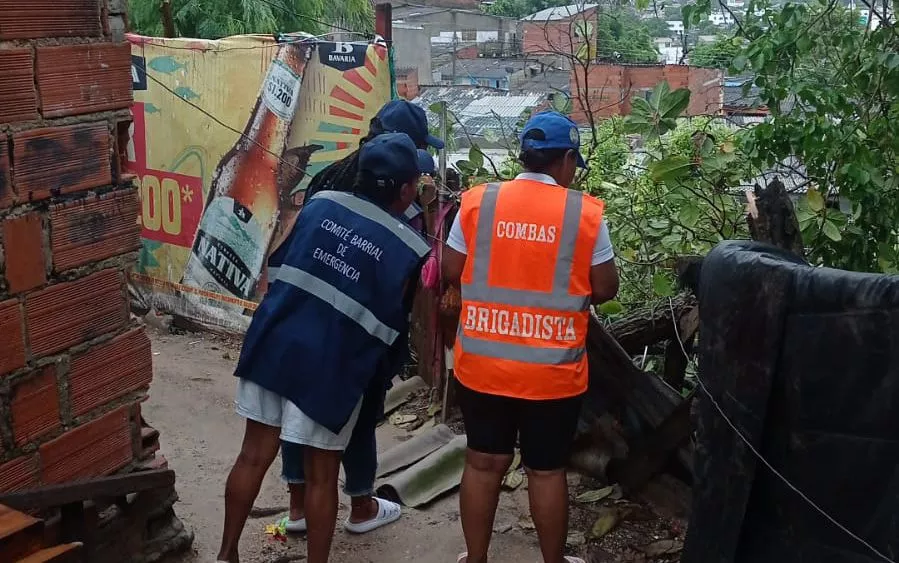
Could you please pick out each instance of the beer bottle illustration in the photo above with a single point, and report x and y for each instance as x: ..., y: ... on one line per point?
x: 243, y: 203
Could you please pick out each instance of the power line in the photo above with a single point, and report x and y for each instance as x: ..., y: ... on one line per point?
x: 762, y: 459
x: 241, y: 134
x: 240, y: 48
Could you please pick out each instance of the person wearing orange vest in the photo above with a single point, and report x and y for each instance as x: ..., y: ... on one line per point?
x: 530, y: 256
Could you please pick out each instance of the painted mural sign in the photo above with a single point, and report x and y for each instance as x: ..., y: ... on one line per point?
x: 226, y: 136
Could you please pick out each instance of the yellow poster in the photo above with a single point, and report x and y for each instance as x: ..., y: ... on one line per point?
x: 226, y: 136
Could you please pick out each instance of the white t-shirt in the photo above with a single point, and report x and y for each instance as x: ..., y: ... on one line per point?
x: 602, y: 251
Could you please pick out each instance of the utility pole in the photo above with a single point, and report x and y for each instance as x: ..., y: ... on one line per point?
x: 384, y: 22
x: 455, y: 42
x: 168, y: 22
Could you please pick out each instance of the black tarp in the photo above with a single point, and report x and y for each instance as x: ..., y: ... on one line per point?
x: 805, y: 362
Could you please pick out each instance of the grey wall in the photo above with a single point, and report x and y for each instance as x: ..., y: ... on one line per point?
x: 412, y: 48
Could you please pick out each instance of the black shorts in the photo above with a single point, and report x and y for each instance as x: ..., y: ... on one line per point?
x: 544, y: 429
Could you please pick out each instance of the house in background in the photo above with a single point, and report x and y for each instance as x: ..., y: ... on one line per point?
x: 491, y: 73
x: 461, y: 28
x: 413, y: 50
x: 605, y: 90
x: 560, y: 30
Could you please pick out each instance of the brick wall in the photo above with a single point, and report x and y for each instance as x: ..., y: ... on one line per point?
x: 73, y: 366
x: 407, y: 83
x: 605, y: 89
x: 556, y: 36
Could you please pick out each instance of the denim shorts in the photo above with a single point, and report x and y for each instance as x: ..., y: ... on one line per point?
x: 267, y: 407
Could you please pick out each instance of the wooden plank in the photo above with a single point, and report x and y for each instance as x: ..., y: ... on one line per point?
x: 649, y: 455
x: 20, y: 534
x: 65, y: 553
x: 69, y: 493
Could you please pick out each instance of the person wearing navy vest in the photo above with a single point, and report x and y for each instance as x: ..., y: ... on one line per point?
x: 337, y: 304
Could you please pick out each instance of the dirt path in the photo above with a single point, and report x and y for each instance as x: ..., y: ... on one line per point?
x: 191, y: 404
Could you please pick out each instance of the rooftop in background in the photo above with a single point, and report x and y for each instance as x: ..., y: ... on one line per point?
x: 550, y: 80
x: 483, y: 68
x: 559, y: 12
x: 404, y: 11
x: 485, y: 114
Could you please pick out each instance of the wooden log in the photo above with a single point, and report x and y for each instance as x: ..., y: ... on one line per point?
x: 649, y: 326
x: 771, y: 217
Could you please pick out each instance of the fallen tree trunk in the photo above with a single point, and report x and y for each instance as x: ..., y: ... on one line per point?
x: 648, y: 326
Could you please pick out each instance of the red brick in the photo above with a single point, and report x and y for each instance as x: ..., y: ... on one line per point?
x: 49, y: 18
x: 100, y: 73
x: 97, y: 448
x: 19, y: 474
x: 6, y: 191
x: 12, y: 345
x: 35, y: 406
x: 69, y: 313
x: 82, y: 233
x: 18, y: 99
x: 23, y: 239
x: 109, y: 371
x: 61, y: 160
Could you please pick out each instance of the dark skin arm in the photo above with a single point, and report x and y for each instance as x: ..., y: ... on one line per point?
x: 604, y: 282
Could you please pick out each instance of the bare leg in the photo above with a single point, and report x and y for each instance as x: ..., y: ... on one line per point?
x: 297, y: 500
x: 322, y: 468
x: 260, y: 446
x: 479, y: 496
x: 548, y: 494
x: 363, y: 509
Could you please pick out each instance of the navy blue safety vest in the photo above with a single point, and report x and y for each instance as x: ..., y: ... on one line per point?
x: 334, y: 308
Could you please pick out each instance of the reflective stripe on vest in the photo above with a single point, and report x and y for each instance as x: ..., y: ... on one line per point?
x: 373, y: 212
x: 557, y: 299
x: 340, y: 301
x: 412, y: 211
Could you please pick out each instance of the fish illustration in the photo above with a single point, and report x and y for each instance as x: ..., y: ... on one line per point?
x: 150, y: 108
x: 166, y: 65
x: 186, y: 93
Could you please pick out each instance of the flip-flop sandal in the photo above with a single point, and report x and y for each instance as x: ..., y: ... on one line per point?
x: 388, y: 512
x: 571, y: 559
x: 462, y: 556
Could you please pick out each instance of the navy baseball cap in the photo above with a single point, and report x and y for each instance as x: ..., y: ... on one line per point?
x: 401, y: 116
x: 552, y: 130
x: 426, y: 163
x: 391, y: 156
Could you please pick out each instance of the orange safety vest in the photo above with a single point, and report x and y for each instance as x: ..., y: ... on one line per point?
x: 526, y: 289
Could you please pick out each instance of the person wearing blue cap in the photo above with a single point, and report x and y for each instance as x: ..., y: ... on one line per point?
x: 530, y: 256
x: 397, y: 116
x: 360, y: 458
x: 338, y: 303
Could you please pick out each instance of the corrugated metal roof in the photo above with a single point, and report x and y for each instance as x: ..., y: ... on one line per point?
x: 559, y: 12
x: 480, y: 111
x: 502, y: 106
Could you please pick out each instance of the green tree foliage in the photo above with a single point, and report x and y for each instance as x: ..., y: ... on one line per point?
x: 672, y: 199
x: 621, y: 36
x: 832, y: 86
x: 718, y: 54
x: 213, y: 19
